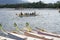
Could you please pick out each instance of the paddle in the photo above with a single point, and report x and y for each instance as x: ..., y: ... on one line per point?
x: 40, y: 29
x: 15, y: 25
x: 2, y: 29
x: 17, y: 28
x: 29, y: 29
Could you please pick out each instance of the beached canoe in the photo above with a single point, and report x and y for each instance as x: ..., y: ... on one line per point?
x: 47, y: 33
x: 34, y: 35
x: 24, y: 37
x: 29, y: 36
x: 40, y: 36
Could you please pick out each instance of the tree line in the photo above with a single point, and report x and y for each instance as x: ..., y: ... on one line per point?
x: 39, y: 4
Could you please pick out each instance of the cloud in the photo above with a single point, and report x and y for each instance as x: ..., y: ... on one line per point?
x: 49, y: 1
x: 33, y: 0
x: 22, y: 1
x: 46, y: 1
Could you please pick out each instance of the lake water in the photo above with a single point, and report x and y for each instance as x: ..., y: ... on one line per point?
x: 48, y: 19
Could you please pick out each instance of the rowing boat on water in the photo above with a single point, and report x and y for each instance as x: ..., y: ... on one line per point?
x: 26, y: 14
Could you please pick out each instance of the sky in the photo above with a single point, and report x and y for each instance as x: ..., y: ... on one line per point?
x: 22, y: 1
x: 11, y: 1
x: 46, y: 1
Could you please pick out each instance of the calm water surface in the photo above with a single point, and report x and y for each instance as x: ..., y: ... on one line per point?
x: 48, y: 19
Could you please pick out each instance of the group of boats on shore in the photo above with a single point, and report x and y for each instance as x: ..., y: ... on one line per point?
x: 34, y: 35
x: 31, y: 34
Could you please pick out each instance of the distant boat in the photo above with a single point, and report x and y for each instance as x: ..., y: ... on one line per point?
x: 17, y: 8
x: 26, y: 14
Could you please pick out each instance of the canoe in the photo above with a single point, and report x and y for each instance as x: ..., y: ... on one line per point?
x: 26, y: 14
x: 34, y: 35
x: 47, y: 33
x: 12, y: 36
x: 29, y: 36
x: 40, y: 36
x: 25, y: 37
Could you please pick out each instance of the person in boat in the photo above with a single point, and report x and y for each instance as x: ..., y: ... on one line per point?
x: 27, y: 28
x: 26, y: 14
x: 34, y: 13
x: 21, y: 14
x: 16, y: 14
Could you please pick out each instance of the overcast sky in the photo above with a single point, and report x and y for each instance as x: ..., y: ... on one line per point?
x: 46, y: 1
x: 22, y: 1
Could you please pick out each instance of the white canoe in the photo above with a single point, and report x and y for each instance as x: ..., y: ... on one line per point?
x: 28, y: 36
x: 25, y: 37
x: 41, y: 36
